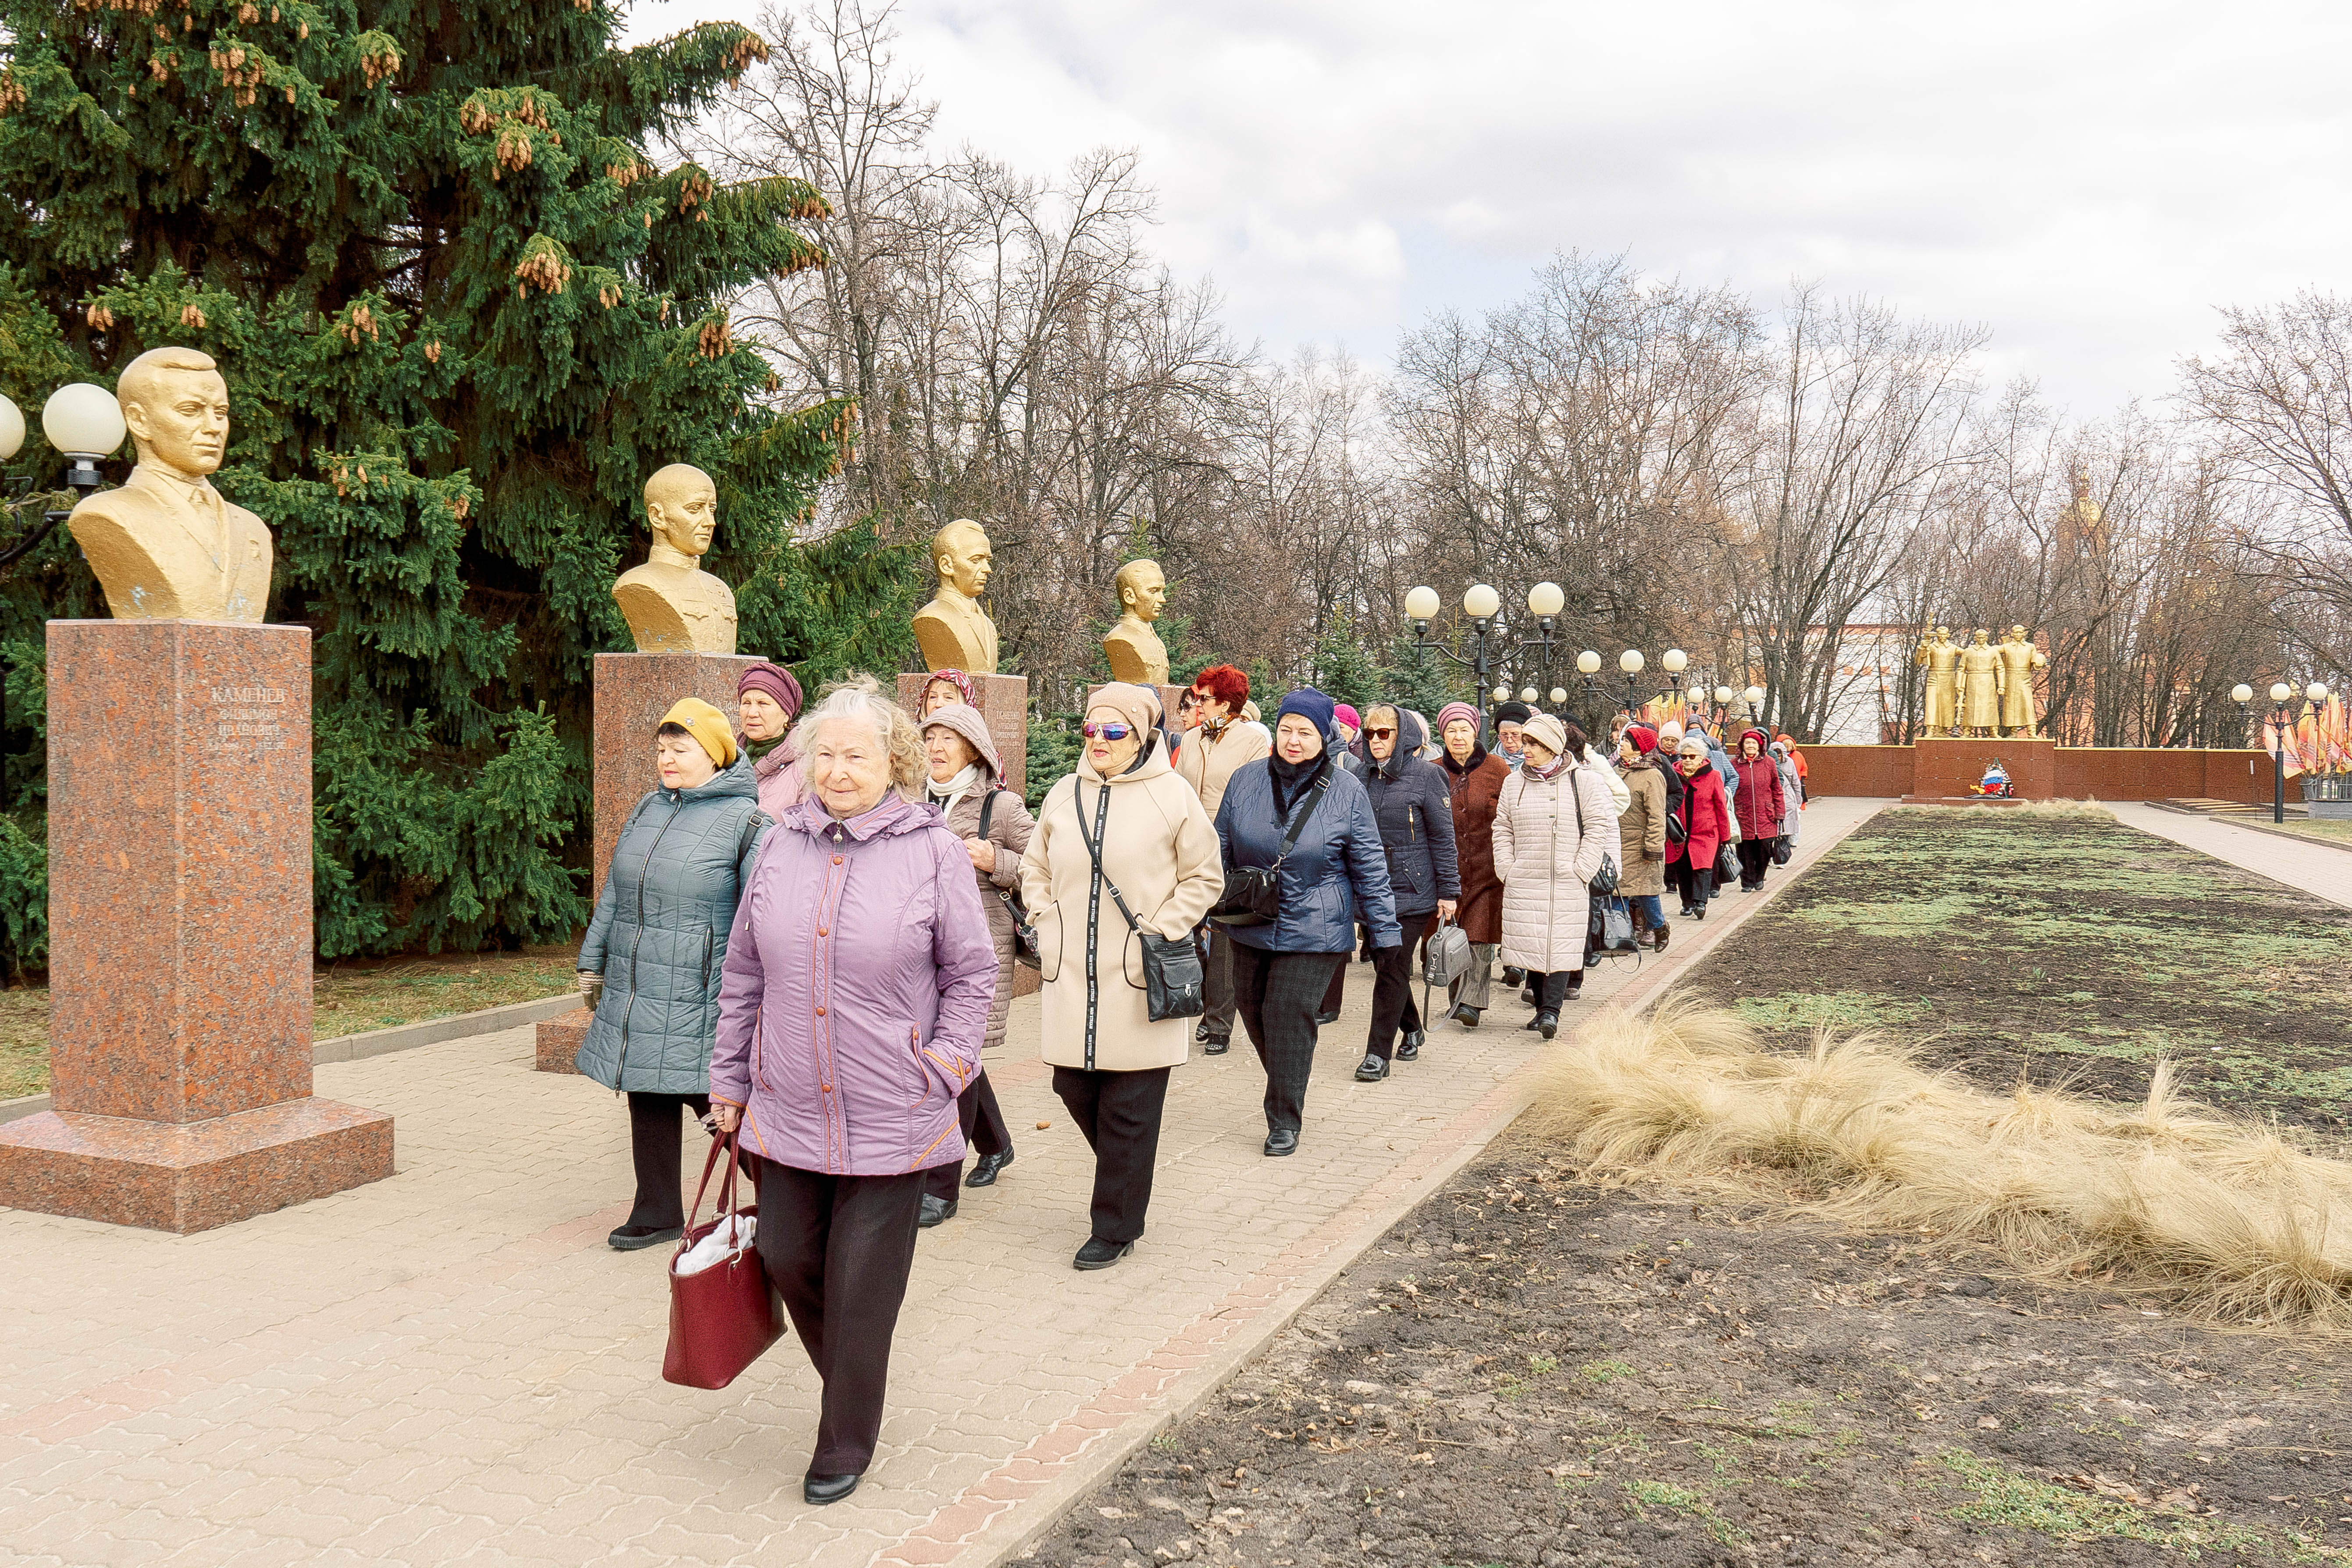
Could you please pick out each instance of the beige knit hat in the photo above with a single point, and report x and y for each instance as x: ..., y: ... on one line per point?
x: 1547, y: 732
x: 1138, y: 705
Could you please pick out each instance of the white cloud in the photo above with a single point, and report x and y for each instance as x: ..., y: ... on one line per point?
x: 2089, y: 180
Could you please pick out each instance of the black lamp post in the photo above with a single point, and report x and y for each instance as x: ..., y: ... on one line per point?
x: 83, y: 422
x: 1490, y: 639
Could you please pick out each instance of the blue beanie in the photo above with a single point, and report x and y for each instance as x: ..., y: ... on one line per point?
x: 1310, y: 705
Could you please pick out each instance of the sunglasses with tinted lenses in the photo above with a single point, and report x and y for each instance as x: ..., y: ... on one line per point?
x: 1380, y: 734
x: 1107, y: 732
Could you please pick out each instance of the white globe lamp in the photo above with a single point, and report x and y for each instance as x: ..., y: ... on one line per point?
x: 1421, y: 604
x: 1481, y: 601
x: 1545, y: 599
x: 1631, y: 661
x: 1588, y: 663
x: 82, y: 421
x: 12, y: 429
x: 1674, y: 661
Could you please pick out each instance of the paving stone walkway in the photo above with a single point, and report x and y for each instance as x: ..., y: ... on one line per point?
x: 451, y: 1366
x: 2320, y: 870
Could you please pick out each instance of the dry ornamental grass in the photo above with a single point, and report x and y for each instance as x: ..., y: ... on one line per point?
x: 2228, y: 1216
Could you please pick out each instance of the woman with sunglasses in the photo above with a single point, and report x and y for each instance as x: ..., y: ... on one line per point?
x: 1125, y: 820
x: 1335, y: 873
x: 1416, y: 823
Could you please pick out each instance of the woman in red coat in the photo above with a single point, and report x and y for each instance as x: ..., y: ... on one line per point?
x: 1474, y: 780
x: 1762, y: 803
x: 1707, y: 824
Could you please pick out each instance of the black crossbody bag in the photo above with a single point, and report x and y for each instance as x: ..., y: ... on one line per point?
x: 1253, y: 895
x: 1024, y: 933
x: 1174, y: 984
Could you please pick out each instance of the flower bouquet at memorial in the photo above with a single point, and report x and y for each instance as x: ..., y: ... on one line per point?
x: 1995, y: 783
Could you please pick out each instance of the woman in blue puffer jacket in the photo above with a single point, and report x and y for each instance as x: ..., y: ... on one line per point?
x: 1337, y: 874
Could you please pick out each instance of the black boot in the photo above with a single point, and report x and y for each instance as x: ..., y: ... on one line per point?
x: 1409, y: 1048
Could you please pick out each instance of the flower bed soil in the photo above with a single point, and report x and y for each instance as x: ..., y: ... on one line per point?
x: 1533, y: 1370
x: 2069, y: 949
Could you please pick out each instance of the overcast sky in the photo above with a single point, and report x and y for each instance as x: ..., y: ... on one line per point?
x: 2087, y: 180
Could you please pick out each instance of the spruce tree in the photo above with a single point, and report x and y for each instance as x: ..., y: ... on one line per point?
x: 462, y: 314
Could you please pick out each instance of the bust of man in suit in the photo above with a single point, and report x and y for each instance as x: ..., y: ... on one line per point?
x: 952, y: 630
x: 1136, y: 653
x: 673, y: 605
x: 166, y: 546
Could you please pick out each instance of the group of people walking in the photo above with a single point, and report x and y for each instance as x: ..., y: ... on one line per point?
x: 808, y: 933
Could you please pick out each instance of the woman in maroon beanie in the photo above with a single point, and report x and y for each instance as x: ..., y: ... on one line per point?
x: 769, y: 699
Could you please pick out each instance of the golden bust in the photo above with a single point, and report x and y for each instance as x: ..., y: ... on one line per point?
x: 952, y: 630
x: 673, y: 605
x: 1942, y: 657
x: 2018, y: 659
x: 166, y: 546
x: 1137, y: 654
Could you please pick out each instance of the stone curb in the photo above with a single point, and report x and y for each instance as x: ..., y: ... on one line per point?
x: 382, y: 1042
x: 2274, y: 831
x: 1022, y: 1520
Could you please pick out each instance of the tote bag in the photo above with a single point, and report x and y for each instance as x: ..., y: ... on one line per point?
x: 723, y: 1316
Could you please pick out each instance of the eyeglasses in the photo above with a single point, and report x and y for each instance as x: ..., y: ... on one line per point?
x: 1380, y: 734
x: 1107, y: 732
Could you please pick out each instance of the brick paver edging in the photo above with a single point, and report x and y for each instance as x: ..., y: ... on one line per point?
x: 997, y: 1517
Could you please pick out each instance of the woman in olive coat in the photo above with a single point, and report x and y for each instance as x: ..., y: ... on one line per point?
x: 656, y: 944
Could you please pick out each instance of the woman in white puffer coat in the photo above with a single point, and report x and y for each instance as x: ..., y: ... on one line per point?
x: 1547, y: 860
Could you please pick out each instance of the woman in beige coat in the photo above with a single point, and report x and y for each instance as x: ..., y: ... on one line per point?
x: 1548, y: 862
x: 1157, y: 848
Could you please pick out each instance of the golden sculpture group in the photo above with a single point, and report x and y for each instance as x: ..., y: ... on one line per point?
x: 1981, y: 690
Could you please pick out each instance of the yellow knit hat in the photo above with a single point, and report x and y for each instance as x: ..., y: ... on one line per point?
x: 706, y: 724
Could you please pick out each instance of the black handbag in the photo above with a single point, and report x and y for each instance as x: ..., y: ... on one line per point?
x: 1781, y: 850
x: 1253, y: 895
x: 1604, y: 881
x: 1025, y: 931
x: 1174, y: 984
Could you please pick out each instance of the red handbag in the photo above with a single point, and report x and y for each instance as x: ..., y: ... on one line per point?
x: 723, y: 1317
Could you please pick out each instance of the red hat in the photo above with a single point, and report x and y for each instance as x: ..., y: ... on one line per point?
x: 1645, y: 739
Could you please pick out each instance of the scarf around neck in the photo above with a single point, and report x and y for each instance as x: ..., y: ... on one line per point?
x: 1549, y: 770
x: 1291, y: 779
x: 946, y: 795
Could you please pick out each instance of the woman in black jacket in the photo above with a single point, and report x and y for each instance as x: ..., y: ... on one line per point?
x: 1410, y: 804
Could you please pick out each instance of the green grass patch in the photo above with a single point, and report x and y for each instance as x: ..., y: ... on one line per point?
x: 2004, y: 1496
x: 1605, y: 1371
x: 1647, y: 1495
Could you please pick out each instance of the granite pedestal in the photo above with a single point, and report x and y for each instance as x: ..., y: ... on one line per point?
x: 1944, y: 769
x: 632, y: 691
x: 180, y: 936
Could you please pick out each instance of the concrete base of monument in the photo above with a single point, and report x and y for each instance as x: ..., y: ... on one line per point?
x: 190, y: 1176
x: 632, y: 691
x: 559, y: 1041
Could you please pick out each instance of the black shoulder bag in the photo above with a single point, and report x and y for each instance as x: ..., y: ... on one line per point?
x: 1174, y: 985
x: 1253, y: 895
x: 1024, y: 933
x: 1604, y: 881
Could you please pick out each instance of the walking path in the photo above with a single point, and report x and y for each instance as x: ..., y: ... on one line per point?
x: 2317, y: 869
x: 451, y: 1366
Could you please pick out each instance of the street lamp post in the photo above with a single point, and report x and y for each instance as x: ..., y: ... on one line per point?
x: 1755, y: 697
x: 2281, y: 717
x: 1489, y: 642
x: 85, y: 423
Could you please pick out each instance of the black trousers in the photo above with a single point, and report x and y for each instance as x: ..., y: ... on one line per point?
x: 1277, y: 994
x: 1693, y: 882
x: 1217, y: 980
x: 1335, y: 995
x: 1754, y: 859
x: 655, y: 1143
x: 1396, y: 980
x: 984, y: 1132
x: 837, y: 1250
x: 1119, y: 1114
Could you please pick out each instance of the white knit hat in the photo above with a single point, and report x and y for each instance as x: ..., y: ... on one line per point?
x: 1547, y: 732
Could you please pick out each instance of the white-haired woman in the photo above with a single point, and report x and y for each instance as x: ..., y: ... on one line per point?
x: 853, y: 1001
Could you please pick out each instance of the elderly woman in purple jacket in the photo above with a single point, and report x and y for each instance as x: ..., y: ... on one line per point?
x: 851, y: 1011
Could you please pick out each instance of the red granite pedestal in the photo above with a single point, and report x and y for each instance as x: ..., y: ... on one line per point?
x: 180, y: 936
x: 1003, y: 701
x: 1943, y: 769
x: 632, y: 691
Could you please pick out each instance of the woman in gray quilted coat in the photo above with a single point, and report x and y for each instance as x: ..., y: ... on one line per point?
x: 658, y: 943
